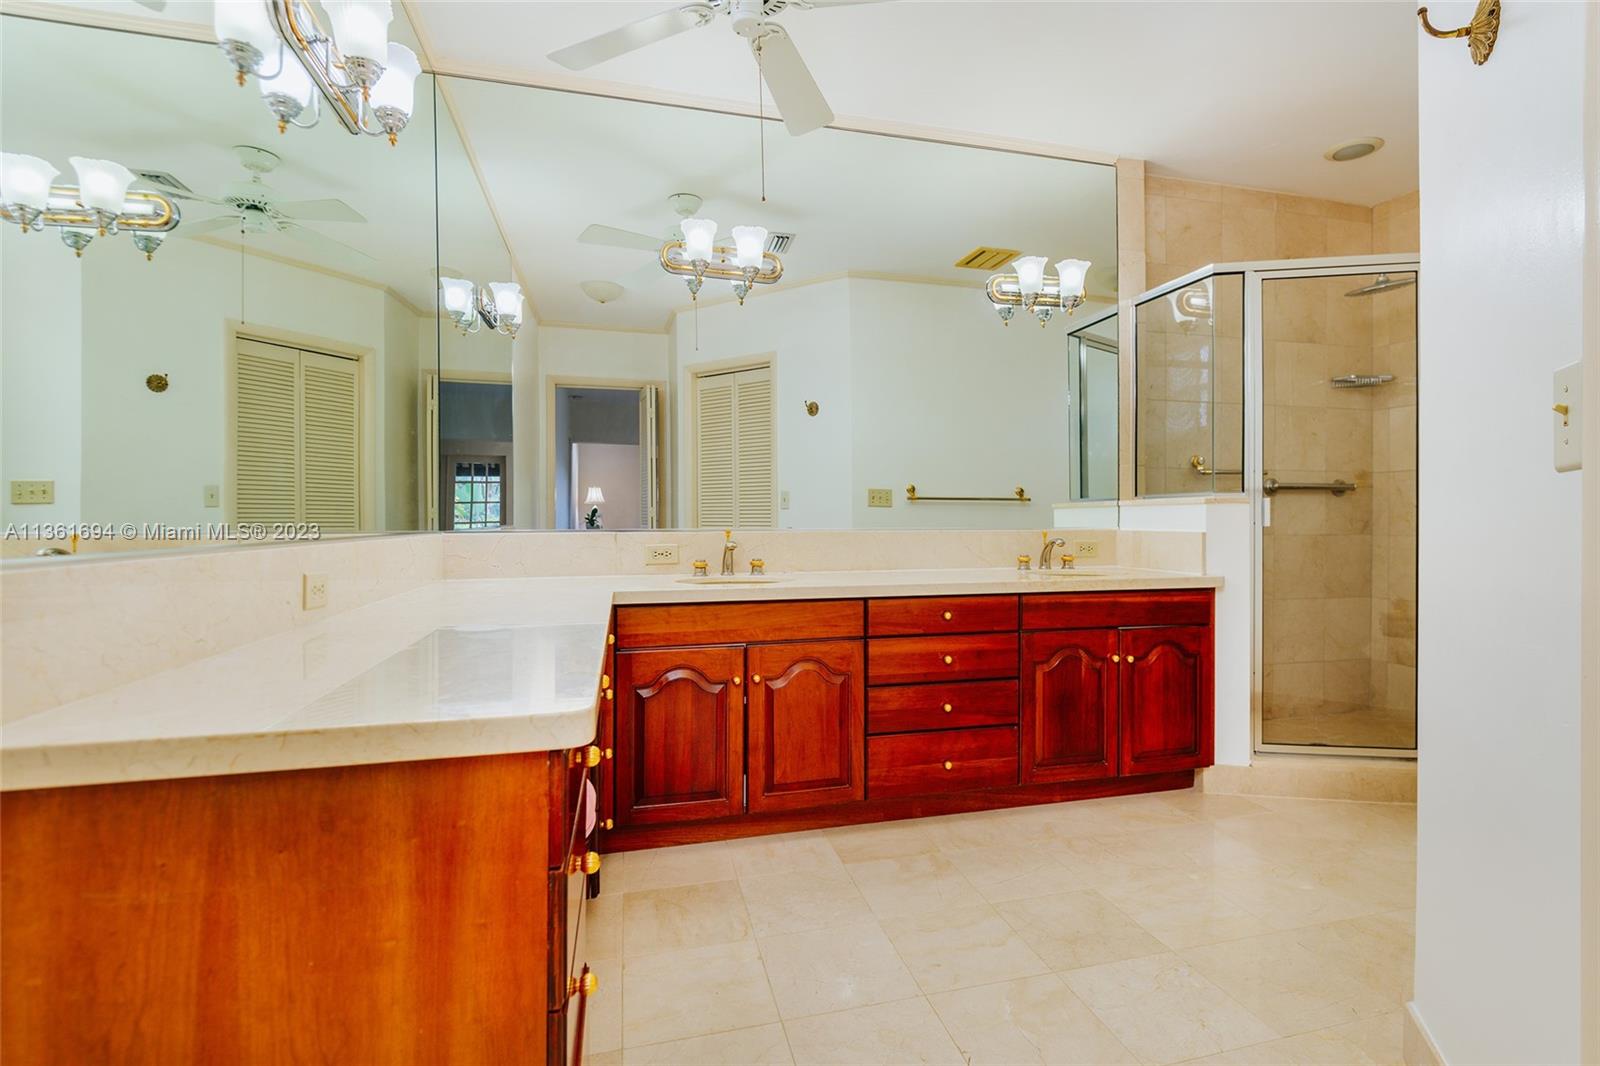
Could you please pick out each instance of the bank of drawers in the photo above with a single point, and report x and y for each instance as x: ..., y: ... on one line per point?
x: 941, y: 695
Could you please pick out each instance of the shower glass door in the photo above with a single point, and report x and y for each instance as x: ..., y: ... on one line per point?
x: 1337, y: 493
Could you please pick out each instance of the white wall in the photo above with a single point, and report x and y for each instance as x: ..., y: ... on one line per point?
x: 1503, y: 206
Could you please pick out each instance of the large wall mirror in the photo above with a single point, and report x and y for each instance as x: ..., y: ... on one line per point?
x: 296, y: 350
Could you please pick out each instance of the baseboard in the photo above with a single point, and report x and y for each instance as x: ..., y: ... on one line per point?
x: 1317, y: 777
x: 1418, y: 1048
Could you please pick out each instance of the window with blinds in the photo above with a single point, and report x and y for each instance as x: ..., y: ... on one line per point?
x: 735, y: 471
x: 296, y: 437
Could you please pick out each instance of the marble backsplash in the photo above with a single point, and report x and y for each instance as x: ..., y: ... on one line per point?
x: 73, y: 628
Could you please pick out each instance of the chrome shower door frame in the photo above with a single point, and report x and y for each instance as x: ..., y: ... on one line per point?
x: 1255, y: 275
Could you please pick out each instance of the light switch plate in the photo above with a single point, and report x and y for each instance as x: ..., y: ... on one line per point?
x: 1568, y: 425
x: 213, y: 495
x: 880, y: 497
x: 314, y: 591
x: 33, y: 492
x: 783, y: 500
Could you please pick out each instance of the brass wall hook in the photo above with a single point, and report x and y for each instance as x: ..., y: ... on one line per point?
x: 1480, y: 33
x: 812, y: 408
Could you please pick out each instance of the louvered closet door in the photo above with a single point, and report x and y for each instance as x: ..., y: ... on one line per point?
x: 266, y: 433
x: 330, y: 463
x: 755, y: 476
x: 714, y: 450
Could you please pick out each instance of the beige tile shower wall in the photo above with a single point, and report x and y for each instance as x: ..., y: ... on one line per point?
x: 1394, y: 509
x: 1396, y: 224
x: 74, y: 628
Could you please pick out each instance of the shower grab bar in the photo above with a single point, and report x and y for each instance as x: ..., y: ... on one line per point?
x: 1272, y: 486
x: 1200, y: 467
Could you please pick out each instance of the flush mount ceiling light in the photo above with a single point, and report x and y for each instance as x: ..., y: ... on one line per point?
x: 601, y: 292
x: 98, y: 206
x: 1031, y: 289
x: 1360, y: 148
x: 698, y: 256
x: 368, y: 80
x: 497, y: 305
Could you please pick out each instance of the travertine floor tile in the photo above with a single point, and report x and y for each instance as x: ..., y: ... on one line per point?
x: 686, y: 916
x: 904, y: 1032
x: 688, y: 864
x: 1286, y: 986
x: 763, y: 1045
x: 692, y: 992
x: 1184, y: 909
x: 912, y: 884
x: 835, y: 969
x: 884, y: 840
x: 798, y: 902
x: 806, y: 853
x: 1075, y: 929
x: 961, y: 947
x: 1014, y: 871
x: 1033, y: 1020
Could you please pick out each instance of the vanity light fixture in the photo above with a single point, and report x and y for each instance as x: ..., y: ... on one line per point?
x: 98, y: 206
x: 368, y: 81
x: 698, y: 256
x: 1031, y: 289
x: 497, y: 305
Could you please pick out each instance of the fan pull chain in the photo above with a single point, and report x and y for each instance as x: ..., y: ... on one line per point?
x: 761, y: 121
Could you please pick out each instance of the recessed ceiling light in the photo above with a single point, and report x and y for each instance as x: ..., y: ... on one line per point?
x: 1360, y: 148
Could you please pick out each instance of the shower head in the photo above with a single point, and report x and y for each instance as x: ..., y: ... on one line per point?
x: 1383, y: 283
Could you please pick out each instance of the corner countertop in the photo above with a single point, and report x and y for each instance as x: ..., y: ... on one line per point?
x: 454, y: 668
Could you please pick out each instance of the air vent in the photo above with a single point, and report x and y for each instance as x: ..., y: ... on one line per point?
x: 987, y: 258
x: 161, y: 179
x: 779, y: 243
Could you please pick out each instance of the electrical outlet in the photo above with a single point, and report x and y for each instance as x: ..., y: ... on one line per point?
x: 880, y: 497
x: 213, y: 495
x: 313, y: 591
x: 33, y: 492
x: 660, y: 554
x: 1086, y: 549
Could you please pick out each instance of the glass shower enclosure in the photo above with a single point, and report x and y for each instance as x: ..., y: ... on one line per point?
x: 1292, y: 385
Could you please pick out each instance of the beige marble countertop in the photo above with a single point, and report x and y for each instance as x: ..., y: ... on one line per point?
x: 453, y: 668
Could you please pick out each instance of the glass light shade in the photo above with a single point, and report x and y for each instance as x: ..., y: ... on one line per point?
x: 25, y: 180
x: 398, y: 86
x: 699, y: 235
x: 457, y: 295
x: 102, y: 184
x: 360, y: 27
x: 751, y: 245
x: 1071, y: 273
x: 245, y: 21
x: 1030, y: 274
x: 292, y: 81
x: 594, y: 497
x: 507, y: 300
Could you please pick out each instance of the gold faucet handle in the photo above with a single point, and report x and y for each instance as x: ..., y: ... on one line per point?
x: 700, y: 567
x: 1024, y: 562
x: 758, y: 566
x: 1067, y: 561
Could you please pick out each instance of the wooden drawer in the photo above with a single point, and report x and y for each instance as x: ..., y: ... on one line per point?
x: 914, y: 660
x: 919, y: 615
x: 948, y: 705
x: 952, y: 760
x: 678, y: 625
x: 1105, y: 610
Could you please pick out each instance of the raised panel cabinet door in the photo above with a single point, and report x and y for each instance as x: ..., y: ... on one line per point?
x: 807, y: 721
x: 1069, y: 705
x: 680, y: 735
x: 1166, y: 699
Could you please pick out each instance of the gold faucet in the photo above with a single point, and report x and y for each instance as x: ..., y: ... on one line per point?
x: 1050, y: 545
x: 729, y: 546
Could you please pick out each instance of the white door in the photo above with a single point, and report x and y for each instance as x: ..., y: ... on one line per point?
x: 735, y: 468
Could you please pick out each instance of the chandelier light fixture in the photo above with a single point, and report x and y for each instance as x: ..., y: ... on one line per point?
x: 368, y: 81
x: 99, y: 205
x: 698, y: 256
x: 1031, y: 289
x: 497, y: 305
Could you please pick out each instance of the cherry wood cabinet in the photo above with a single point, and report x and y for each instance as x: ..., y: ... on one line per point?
x: 1069, y: 705
x: 806, y: 720
x: 1166, y: 699
x: 680, y: 734
x: 910, y: 660
x: 951, y: 760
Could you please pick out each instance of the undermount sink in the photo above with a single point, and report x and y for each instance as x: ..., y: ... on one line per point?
x: 731, y: 579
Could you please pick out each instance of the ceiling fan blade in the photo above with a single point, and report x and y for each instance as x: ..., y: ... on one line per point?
x: 208, y: 225
x: 319, y: 211
x: 194, y: 196
x: 322, y: 243
x: 808, y: 5
x: 612, y: 237
x: 625, y: 39
x: 799, y: 101
x: 153, y: 5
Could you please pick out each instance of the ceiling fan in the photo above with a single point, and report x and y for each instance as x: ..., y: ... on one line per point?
x: 799, y: 101
x: 254, y: 208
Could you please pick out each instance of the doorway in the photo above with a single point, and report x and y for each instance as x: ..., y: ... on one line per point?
x: 475, y: 447
x: 604, y: 453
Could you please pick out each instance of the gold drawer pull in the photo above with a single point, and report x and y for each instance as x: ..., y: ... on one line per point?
x: 605, y: 680
x: 588, y: 755
x: 948, y: 765
x: 1116, y: 658
x: 1129, y: 658
x: 611, y: 638
x: 608, y: 824
x: 610, y: 694
x: 948, y: 708
x: 587, y: 985
x: 755, y: 679
x: 948, y: 615
x: 949, y: 660
x: 587, y: 863
x: 737, y: 680
x: 609, y: 753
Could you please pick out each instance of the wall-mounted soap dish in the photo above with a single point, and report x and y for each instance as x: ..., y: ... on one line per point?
x: 1361, y: 381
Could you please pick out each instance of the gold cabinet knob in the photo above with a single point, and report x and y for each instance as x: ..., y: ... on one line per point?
x: 587, y: 863
x: 608, y: 824
x: 609, y: 753
x: 737, y: 680
x: 755, y: 679
x: 948, y: 765
x: 948, y: 615
x: 1128, y: 658
x: 949, y: 660
x: 1116, y: 658
x: 611, y: 638
x: 610, y: 694
x: 589, y: 755
x: 605, y: 680
x: 586, y: 985
x: 948, y: 708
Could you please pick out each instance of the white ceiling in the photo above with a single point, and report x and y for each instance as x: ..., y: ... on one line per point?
x: 559, y: 161
x: 1244, y: 93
